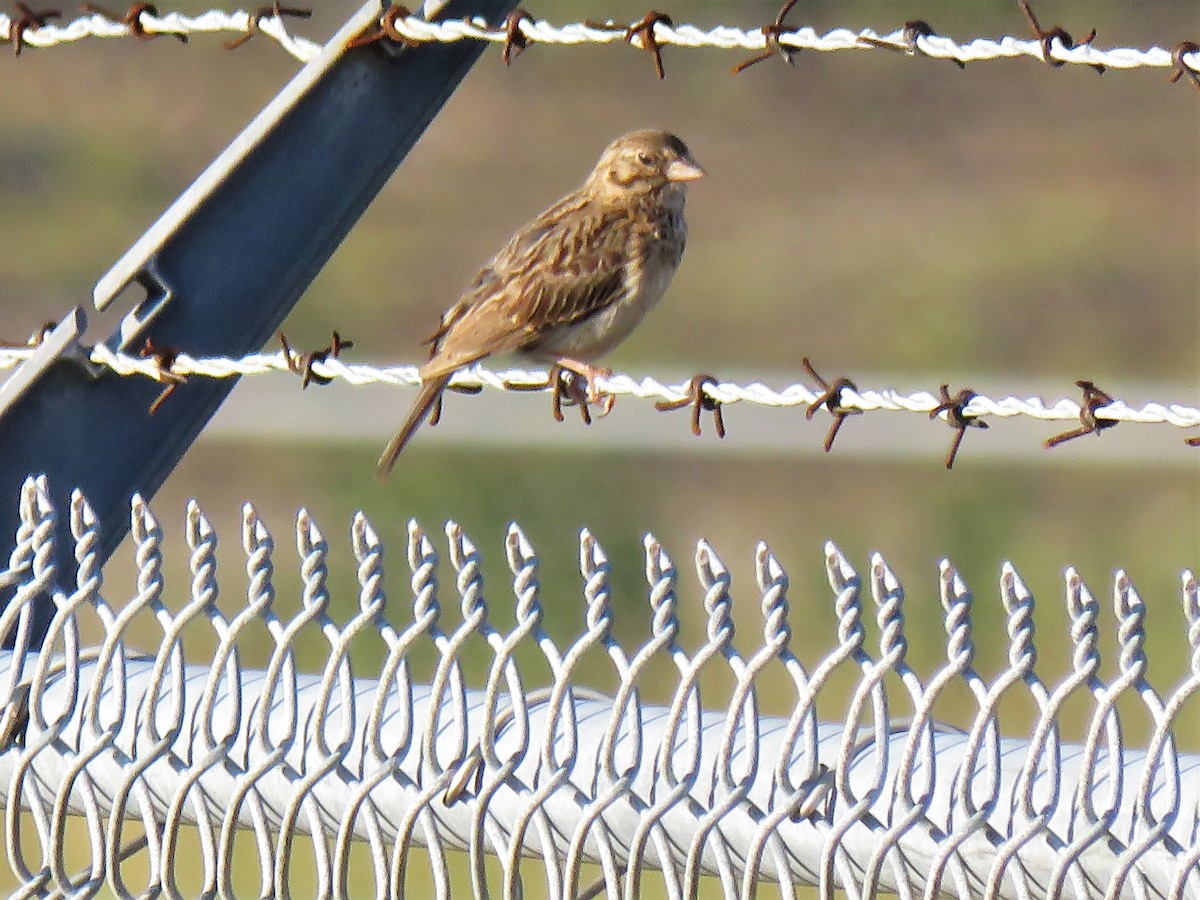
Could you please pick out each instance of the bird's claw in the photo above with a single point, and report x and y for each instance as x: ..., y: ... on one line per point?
x: 604, y: 401
x: 568, y: 391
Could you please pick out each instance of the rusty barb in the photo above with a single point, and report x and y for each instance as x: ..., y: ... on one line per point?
x: 699, y: 401
x: 771, y: 34
x: 386, y: 28
x: 913, y: 30
x: 302, y: 363
x: 275, y: 11
x: 640, y: 34
x: 435, y: 411
x: 831, y: 400
x: 1181, y: 66
x: 1090, y: 423
x: 164, y: 359
x: 956, y: 417
x: 133, y: 20
x: 28, y: 19
x: 1046, y: 38
x: 644, y: 32
x: 515, y: 41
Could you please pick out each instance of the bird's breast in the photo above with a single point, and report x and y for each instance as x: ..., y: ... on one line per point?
x: 661, y: 255
x: 652, y: 256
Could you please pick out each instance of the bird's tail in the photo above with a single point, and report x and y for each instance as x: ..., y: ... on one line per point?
x: 430, y: 391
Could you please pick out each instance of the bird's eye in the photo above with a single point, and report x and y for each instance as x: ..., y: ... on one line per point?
x: 645, y: 158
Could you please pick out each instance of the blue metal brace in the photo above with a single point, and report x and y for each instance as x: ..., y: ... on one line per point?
x: 221, y: 269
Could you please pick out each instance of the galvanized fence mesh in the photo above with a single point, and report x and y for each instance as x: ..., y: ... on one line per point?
x: 155, y: 751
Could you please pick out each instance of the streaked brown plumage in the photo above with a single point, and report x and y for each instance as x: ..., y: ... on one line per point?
x: 574, y: 282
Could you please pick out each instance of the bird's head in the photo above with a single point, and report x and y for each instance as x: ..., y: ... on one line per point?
x: 644, y: 162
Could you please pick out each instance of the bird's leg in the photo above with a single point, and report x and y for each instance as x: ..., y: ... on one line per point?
x: 591, y: 373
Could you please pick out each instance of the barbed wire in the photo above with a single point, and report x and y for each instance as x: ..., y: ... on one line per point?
x: 1054, y: 46
x: 1095, y: 411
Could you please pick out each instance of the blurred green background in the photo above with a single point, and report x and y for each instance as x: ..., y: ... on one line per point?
x: 874, y: 212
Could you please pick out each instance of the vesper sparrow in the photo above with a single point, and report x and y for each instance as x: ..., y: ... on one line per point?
x: 574, y: 282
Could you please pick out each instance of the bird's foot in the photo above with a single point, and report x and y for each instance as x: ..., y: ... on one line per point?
x: 591, y: 374
x: 566, y: 388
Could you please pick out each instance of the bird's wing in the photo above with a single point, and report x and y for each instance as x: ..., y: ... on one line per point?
x: 585, y: 272
x: 449, y: 317
x: 567, y: 265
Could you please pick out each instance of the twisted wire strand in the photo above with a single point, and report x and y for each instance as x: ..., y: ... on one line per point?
x: 703, y: 788
x: 539, y: 31
x: 215, y: 21
x: 647, y: 387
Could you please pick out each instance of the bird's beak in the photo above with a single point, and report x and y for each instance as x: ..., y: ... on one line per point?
x: 683, y: 170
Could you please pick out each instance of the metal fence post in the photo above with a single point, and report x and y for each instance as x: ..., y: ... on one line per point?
x: 222, y: 267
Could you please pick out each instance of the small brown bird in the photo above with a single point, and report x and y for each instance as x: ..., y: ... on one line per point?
x: 574, y: 282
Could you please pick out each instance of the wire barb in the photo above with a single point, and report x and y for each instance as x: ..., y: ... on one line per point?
x: 28, y: 19
x: 1046, y: 38
x: 644, y: 30
x: 956, y: 417
x: 699, y: 401
x: 133, y: 20
x: 164, y: 361
x: 302, y: 363
x: 1093, y: 399
x: 641, y: 34
x: 387, y: 28
x: 515, y: 41
x: 435, y: 411
x: 913, y: 31
x: 275, y: 11
x: 1180, y: 64
x: 771, y: 34
x: 831, y: 399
